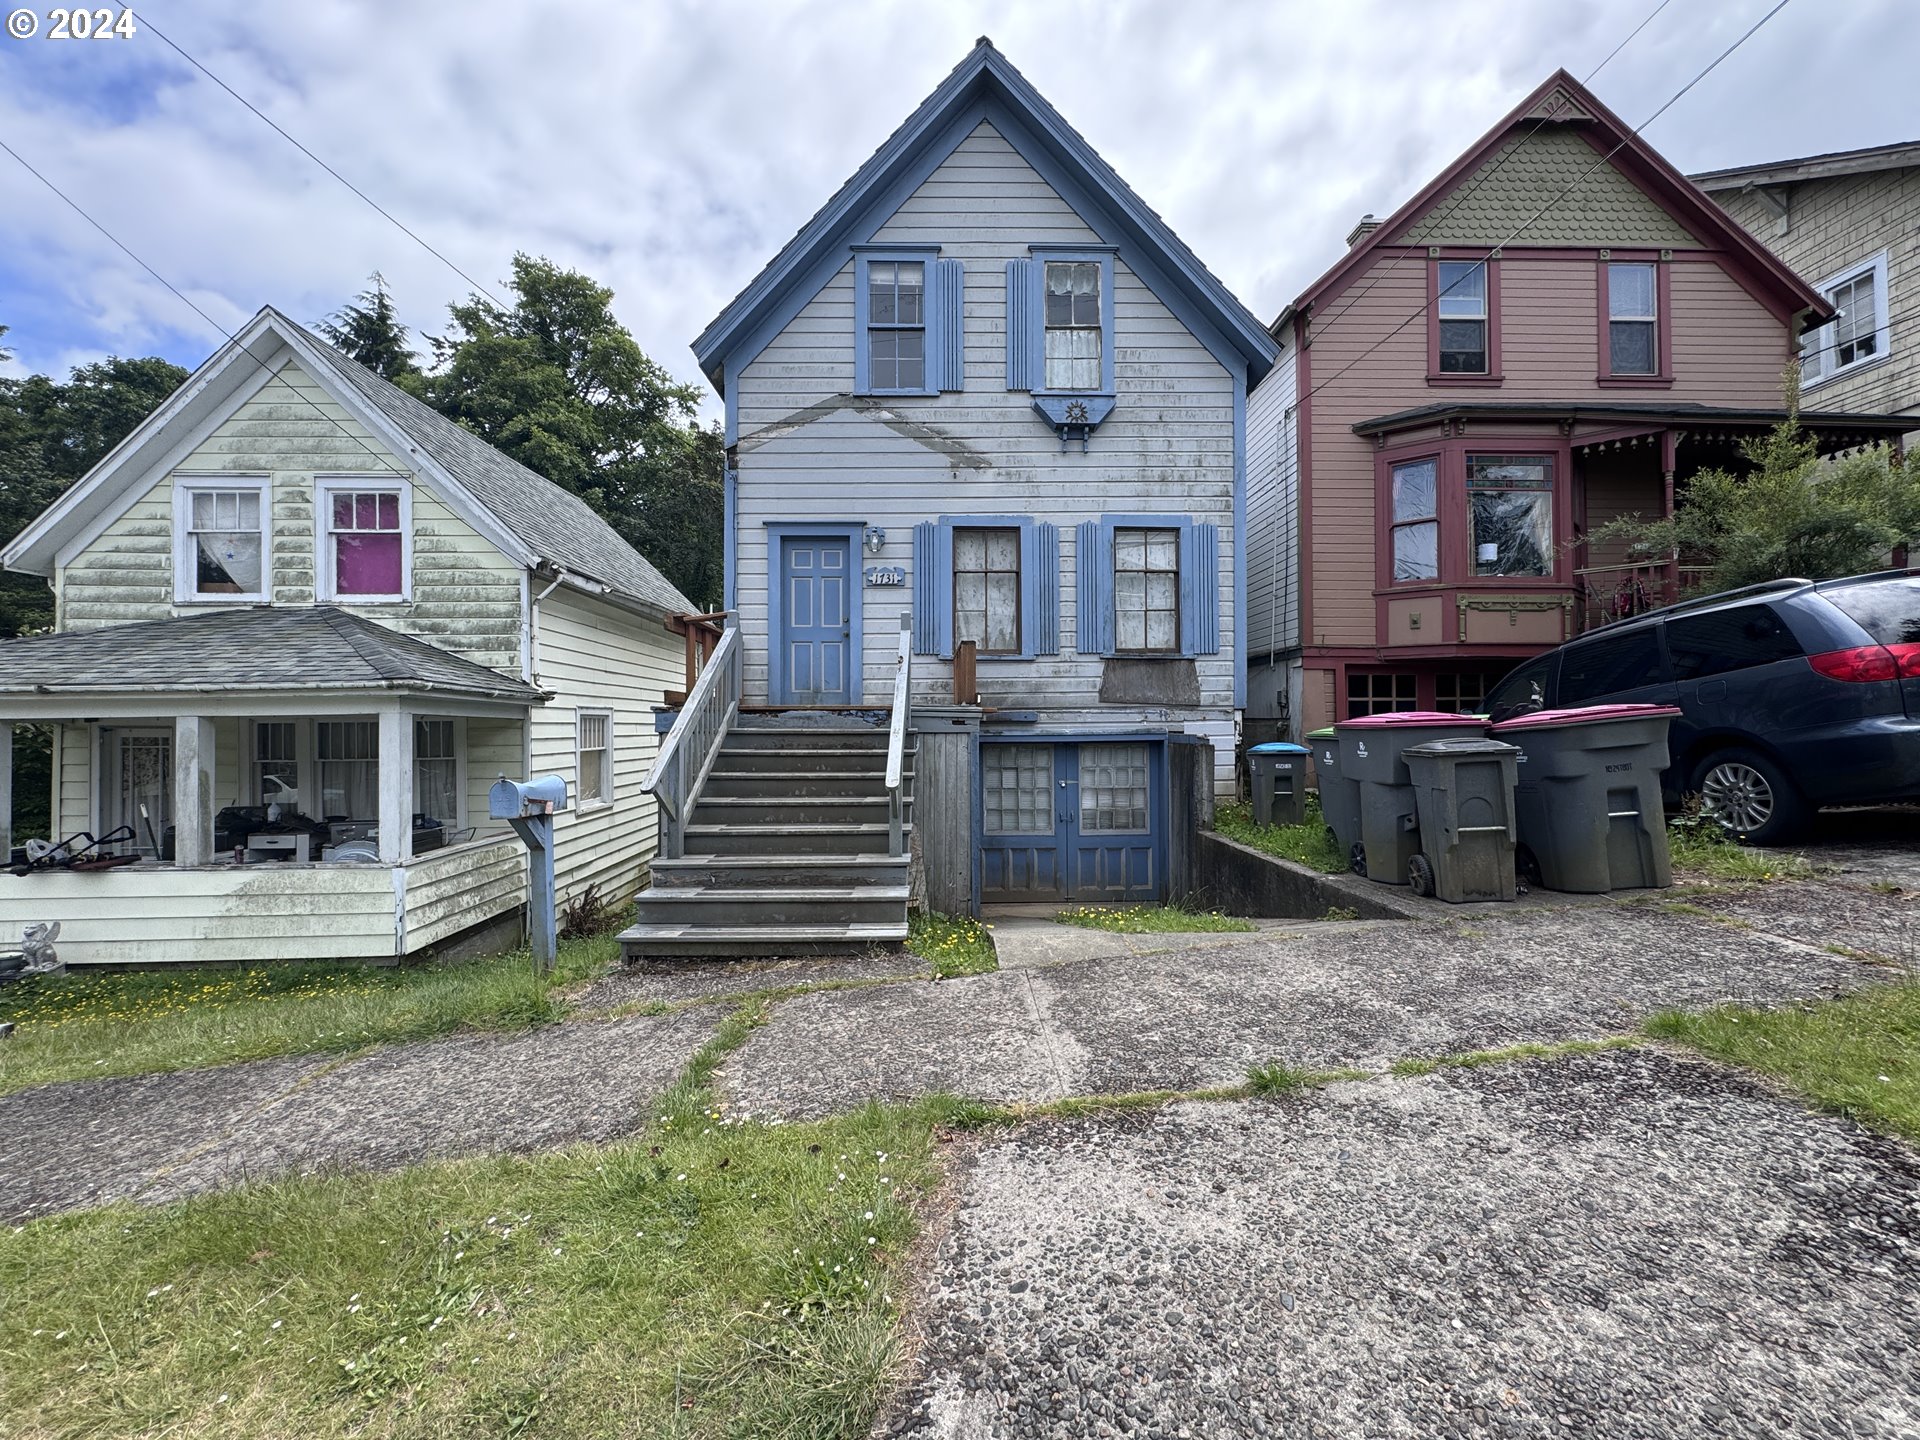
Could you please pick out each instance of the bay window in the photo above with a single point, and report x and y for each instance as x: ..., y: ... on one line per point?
x: 1415, y: 527
x: 1510, y: 509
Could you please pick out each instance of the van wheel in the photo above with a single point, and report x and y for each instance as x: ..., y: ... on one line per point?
x: 1751, y: 796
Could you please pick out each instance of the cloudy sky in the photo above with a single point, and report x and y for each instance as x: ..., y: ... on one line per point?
x: 669, y: 148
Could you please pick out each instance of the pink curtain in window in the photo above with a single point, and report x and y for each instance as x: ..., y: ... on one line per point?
x: 366, y: 564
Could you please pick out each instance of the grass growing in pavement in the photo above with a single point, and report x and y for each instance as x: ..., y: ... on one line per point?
x: 1700, y: 845
x: 91, y: 1023
x: 1306, y: 843
x: 711, y: 1276
x: 1149, y: 919
x: 1529, y: 1050
x: 956, y: 944
x: 1859, y: 1055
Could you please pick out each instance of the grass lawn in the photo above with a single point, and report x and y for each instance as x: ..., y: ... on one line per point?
x: 1148, y: 919
x: 1306, y: 843
x: 956, y: 944
x: 704, y: 1278
x: 1700, y: 847
x: 1859, y: 1055
x: 130, y: 1022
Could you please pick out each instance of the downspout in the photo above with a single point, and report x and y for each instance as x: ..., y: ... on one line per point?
x: 533, y: 626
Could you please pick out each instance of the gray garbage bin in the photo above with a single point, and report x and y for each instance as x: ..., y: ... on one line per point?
x: 1463, y: 793
x: 1279, y: 782
x: 1588, y: 800
x: 1339, y: 794
x: 1372, y: 753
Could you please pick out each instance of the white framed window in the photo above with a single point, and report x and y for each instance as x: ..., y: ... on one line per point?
x: 276, y: 763
x: 436, y: 769
x: 1859, y: 334
x: 348, y: 758
x: 594, y: 744
x: 1633, y: 319
x: 222, y: 552
x: 363, y: 532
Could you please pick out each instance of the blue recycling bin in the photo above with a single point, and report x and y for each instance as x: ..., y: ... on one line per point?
x: 1279, y: 782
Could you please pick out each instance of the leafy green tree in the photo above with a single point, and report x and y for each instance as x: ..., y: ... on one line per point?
x: 1791, y: 514
x: 368, y: 329
x: 558, y: 383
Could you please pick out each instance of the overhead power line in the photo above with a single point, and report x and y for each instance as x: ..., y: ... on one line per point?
x: 281, y: 130
x: 1570, y: 187
x: 186, y: 300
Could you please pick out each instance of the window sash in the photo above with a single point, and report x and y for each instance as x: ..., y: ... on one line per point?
x: 593, y: 741
x: 1856, y: 330
x: 897, y: 324
x: 436, y: 770
x: 276, y: 757
x: 1074, y: 341
x: 1633, y: 315
x: 365, y: 541
x: 225, y: 540
x: 986, y: 589
x: 1146, y: 590
x: 348, y: 759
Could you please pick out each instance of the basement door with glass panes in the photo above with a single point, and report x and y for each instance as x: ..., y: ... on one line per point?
x: 1072, y: 821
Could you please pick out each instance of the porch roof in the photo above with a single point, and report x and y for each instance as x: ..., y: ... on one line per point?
x: 317, y: 648
x: 1835, y: 429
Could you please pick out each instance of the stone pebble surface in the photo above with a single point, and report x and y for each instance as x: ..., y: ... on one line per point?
x: 1627, y: 1243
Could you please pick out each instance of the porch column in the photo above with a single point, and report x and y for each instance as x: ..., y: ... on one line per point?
x: 192, y: 790
x: 396, y: 787
x: 6, y: 788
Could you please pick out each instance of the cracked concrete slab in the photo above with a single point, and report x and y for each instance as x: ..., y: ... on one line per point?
x: 673, y: 981
x: 1340, y: 996
x: 1023, y: 943
x: 1628, y: 1244
x: 159, y: 1137
x: 1885, y: 924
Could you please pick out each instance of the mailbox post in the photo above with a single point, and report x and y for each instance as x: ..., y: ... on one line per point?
x: 530, y: 807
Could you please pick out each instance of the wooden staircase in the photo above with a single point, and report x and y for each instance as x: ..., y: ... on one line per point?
x: 786, y: 850
x: 782, y: 834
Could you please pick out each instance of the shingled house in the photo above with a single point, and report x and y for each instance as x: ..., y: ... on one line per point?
x: 302, y: 623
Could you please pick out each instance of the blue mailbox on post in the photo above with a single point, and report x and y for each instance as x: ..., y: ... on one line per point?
x: 529, y: 806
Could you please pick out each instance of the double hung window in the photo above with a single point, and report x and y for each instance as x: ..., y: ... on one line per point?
x: 594, y: 736
x: 986, y: 589
x: 436, y: 771
x: 1074, y: 334
x: 1462, y: 307
x: 363, y: 541
x: 897, y: 324
x: 348, y: 756
x: 1416, y: 520
x: 1633, y: 319
x: 221, y: 542
x: 1146, y: 590
x: 1858, y: 333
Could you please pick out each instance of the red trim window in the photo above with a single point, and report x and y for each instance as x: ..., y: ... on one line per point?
x: 1510, y: 516
x: 1463, y: 322
x: 1415, y: 526
x: 1635, y: 332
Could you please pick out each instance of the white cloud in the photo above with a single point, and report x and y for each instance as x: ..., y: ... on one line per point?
x: 668, y: 149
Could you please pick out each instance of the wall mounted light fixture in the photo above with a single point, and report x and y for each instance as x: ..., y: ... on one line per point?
x: 876, y: 539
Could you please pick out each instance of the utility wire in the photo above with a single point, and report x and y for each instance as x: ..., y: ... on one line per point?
x: 1460, y: 197
x: 282, y: 132
x: 385, y: 461
x: 1571, y: 186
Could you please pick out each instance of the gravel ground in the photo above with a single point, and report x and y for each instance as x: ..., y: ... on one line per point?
x: 1337, y: 996
x: 158, y: 1137
x: 1623, y: 1244
x: 677, y: 980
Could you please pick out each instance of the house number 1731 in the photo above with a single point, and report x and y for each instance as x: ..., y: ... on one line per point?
x: 886, y: 574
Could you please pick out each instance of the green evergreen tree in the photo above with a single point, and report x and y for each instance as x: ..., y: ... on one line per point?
x: 368, y: 329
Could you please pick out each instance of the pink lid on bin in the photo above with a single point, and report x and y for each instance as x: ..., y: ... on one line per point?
x: 1398, y: 719
x: 1585, y: 715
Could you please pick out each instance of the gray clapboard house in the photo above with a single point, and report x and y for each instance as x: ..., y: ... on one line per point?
x: 302, y: 623
x: 985, y: 415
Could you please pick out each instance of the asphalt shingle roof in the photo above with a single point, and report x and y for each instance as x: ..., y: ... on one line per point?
x: 557, y: 525
x: 317, y: 648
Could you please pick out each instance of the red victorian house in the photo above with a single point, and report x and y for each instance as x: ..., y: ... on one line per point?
x: 1558, y: 330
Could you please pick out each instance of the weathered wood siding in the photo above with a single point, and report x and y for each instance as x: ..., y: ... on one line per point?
x: 598, y: 657
x: 73, y: 784
x: 1167, y: 448
x: 494, y: 748
x: 453, y: 890
x: 1273, y: 536
x: 466, y: 594
x: 156, y: 915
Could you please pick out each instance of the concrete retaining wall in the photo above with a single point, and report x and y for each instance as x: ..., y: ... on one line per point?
x: 1231, y: 877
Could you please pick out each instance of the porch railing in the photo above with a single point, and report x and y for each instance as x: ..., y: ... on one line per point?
x: 688, y: 752
x: 1619, y: 592
x: 897, y: 742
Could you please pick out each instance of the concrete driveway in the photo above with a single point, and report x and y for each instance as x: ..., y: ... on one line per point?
x: 1620, y: 1244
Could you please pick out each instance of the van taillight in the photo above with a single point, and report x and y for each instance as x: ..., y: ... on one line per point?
x: 1865, y: 663
x: 1907, y: 659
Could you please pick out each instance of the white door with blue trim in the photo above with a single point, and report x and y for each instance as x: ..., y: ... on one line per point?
x: 1072, y: 821
x: 816, y: 621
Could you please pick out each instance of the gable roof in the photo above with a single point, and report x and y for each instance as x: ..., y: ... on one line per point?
x: 984, y: 85
x: 1904, y: 155
x: 531, y: 519
x: 259, y: 649
x: 1562, y: 101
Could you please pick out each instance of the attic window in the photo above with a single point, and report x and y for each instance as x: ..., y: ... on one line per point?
x: 365, y: 540
x: 220, y: 550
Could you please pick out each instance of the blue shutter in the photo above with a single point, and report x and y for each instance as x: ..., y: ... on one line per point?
x: 1093, y: 575
x: 947, y: 346
x: 932, y: 590
x: 1040, y: 588
x: 862, y: 350
x: 1200, y: 589
x: 1023, y: 323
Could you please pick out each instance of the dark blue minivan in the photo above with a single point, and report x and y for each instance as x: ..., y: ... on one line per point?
x: 1793, y: 695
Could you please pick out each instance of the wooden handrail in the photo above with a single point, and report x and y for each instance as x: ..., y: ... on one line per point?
x: 688, y: 752
x: 897, y: 740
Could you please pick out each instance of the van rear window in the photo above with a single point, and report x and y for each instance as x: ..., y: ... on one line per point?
x: 1888, y: 610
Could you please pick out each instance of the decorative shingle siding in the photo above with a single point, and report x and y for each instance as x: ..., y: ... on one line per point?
x: 1836, y: 223
x: 1603, y: 206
